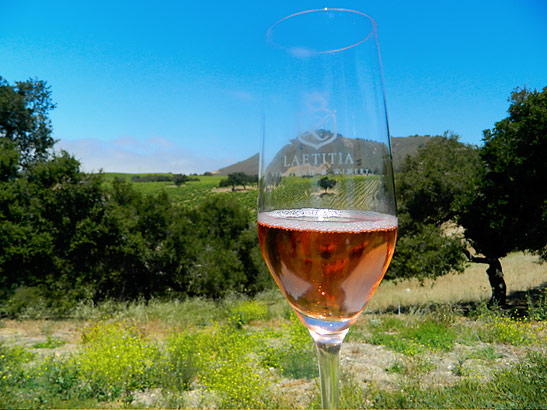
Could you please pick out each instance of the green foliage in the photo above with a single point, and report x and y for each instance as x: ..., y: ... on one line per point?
x: 246, y: 311
x: 27, y: 303
x: 24, y: 118
x: 432, y: 188
x: 180, y: 179
x: 436, y: 182
x: 223, y: 251
x: 234, y: 374
x: 351, y: 395
x: 237, y: 179
x: 68, y: 236
x: 397, y: 367
x: 517, y: 331
x: 538, y: 310
x: 49, y: 343
x: 12, y: 365
x: 152, y: 178
x: 9, y: 160
x: 291, y: 350
x: 484, y: 353
x: 425, y: 251
x: 509, y: 209
x: 326, y: 183
x: 299, y: 360
x: 182, y: 360
x: 230, y: 364
x: 413, y: 338
x: 116, y: 359
x: 42, y: 212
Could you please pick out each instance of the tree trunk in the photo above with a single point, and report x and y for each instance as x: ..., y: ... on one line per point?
x: 495, y: 277
x: 497, y: 282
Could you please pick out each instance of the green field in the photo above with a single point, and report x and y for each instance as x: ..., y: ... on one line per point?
x: 292, y: 190
x: 190, y: 193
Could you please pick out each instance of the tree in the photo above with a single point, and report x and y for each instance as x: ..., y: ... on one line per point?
x: 496, y: 192
x: 225, y: 256
x: 24, y: 118
x: 41, y: 212
x: 66, y: 235
x: 326, y: 183
x: 179, y: 179
x: 9, y: 160
x: 238, y: 178
x: 508, y: 209
x: 425, y: 251
x: 431, y: 187
x: 436, y: 182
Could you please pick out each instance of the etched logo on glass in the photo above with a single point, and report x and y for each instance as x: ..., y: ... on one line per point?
x: 323, y: 120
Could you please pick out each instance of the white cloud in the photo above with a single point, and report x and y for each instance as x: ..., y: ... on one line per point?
x: 130, y: 155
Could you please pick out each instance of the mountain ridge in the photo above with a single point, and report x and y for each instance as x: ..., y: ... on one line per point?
x: 400, y: 148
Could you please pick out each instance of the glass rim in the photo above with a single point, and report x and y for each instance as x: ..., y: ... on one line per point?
x: 373, y: 29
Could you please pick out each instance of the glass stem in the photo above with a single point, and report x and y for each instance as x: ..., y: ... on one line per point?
x: 328, y: 353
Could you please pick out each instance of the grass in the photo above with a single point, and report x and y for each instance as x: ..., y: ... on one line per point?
x: 523, y: 386
x: 414, y: 337
x: 521, y: 271
x: 254, y: 353
x: 49, y: 343
x: 241, y: 352
x: 487, y: 353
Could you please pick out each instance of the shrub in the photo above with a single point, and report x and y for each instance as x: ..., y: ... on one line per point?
x: 13, y: 361
x: 233, y: 371
x: 501, y: 329
x: 182, y: 360
x: 27, y: 302
x: 116, y: 359
x: 538, y: 310
x: 246, y: 311
x: 152, y: 178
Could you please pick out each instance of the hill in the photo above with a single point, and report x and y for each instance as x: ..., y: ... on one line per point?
x: 403, y: 146
x: 400, y: 146
x: 248, y: 166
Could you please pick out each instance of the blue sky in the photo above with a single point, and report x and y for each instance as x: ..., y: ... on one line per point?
x: 174, y: 86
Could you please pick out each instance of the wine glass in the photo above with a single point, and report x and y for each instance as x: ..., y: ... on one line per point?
x: 327, y: 220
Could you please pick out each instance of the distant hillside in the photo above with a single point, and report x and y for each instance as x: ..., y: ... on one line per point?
x: 248, y: 166
x: 403, y: 146
x: 400, y: 146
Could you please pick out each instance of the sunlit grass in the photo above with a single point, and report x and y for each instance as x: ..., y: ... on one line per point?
x: 244, y: 352
x: 521, y: 271
x: 234, y: 354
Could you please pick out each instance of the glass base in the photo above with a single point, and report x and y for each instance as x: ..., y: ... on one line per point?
x: 328, y: 337
x: 325, y: 329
